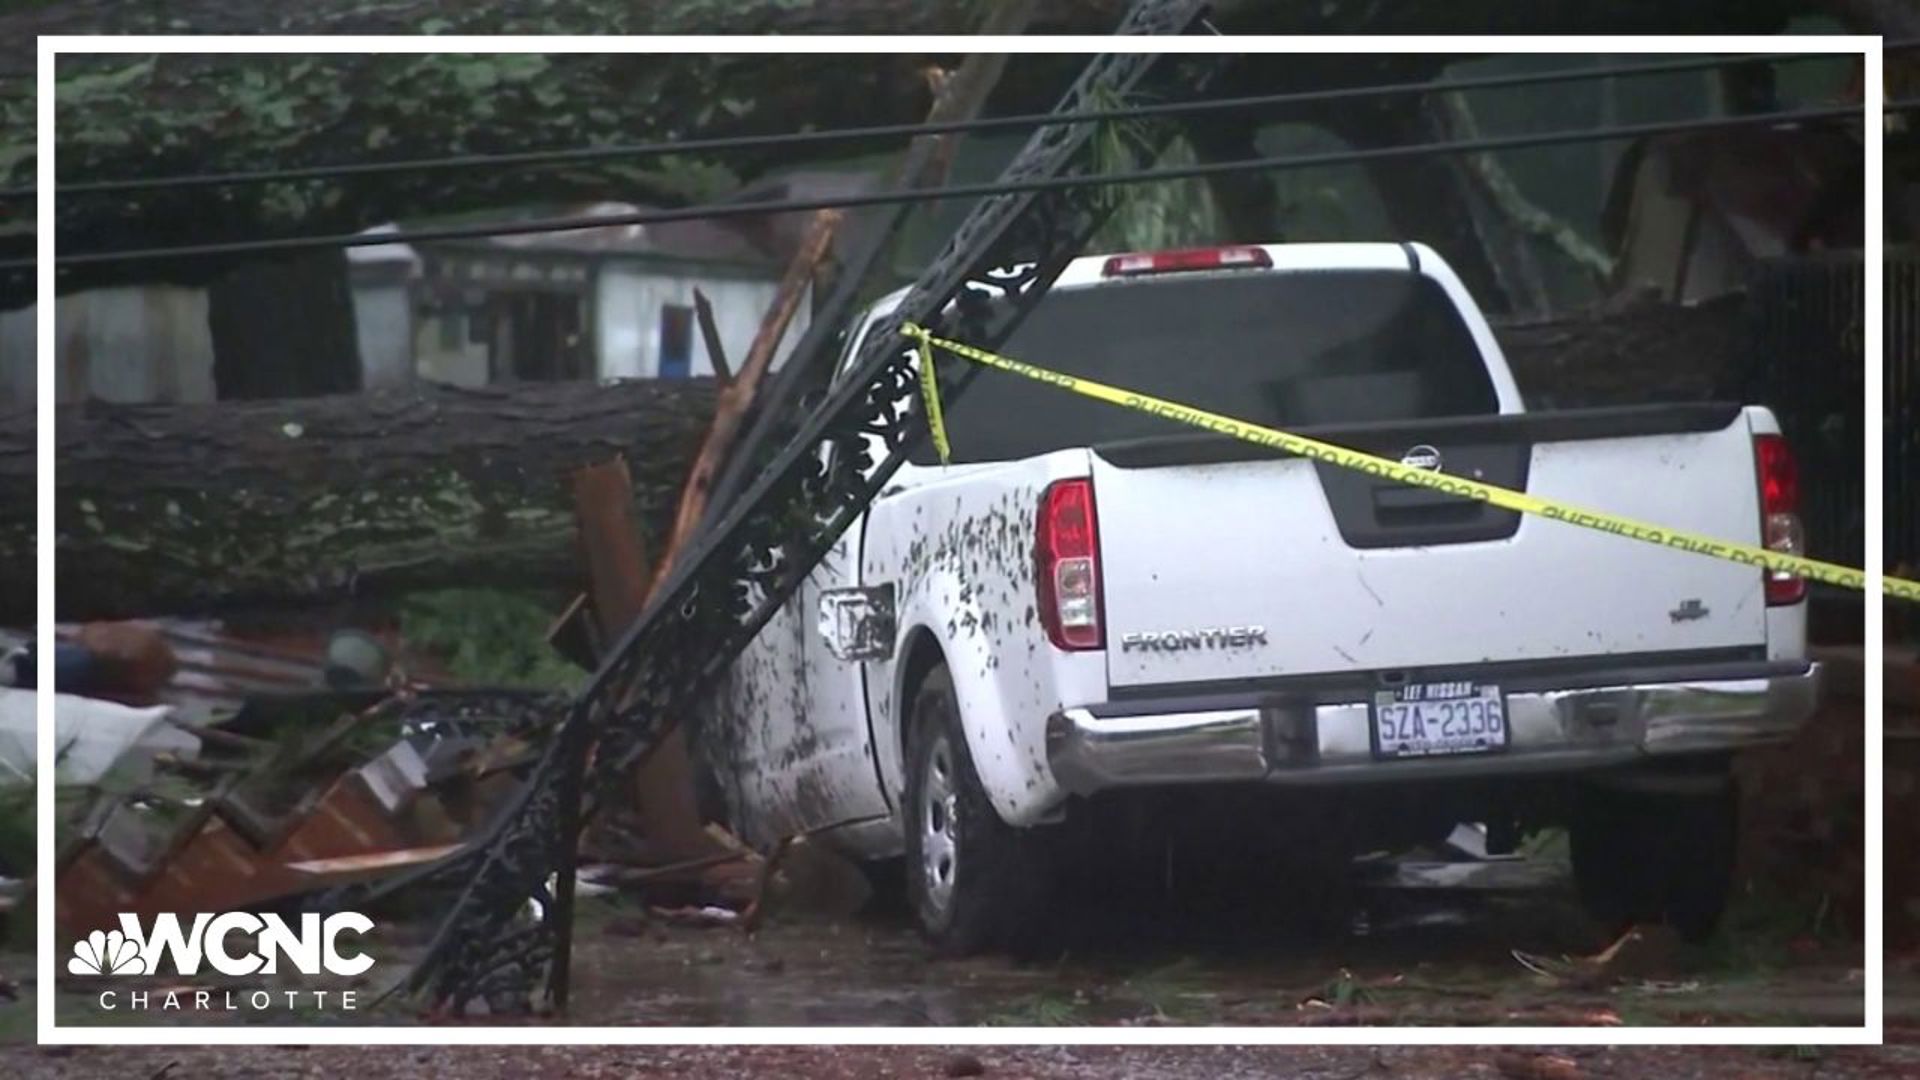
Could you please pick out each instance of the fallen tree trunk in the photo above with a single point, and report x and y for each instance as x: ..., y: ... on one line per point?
x: 204, y: 508
x: 214, y: 507
x: 1630, y: 352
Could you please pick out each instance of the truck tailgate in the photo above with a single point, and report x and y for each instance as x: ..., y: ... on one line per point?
x: 1202, y: 544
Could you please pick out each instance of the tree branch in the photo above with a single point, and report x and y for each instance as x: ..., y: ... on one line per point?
x: 1524, y: 213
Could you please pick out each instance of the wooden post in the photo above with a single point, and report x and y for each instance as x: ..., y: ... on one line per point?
x: 610, y: 545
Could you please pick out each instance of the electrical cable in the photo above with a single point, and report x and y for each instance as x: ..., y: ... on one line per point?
x: 784, y: 140
x: 714, y: 211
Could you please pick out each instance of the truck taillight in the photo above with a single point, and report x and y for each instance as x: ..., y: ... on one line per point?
x: 1067, y: 566
x: 1173, y: 262
x: 1780, y: 528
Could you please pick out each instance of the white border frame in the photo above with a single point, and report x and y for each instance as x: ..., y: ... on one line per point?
x: 1871, y: 1033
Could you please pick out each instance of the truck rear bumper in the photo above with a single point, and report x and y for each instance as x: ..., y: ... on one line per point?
x: 1552, y: 730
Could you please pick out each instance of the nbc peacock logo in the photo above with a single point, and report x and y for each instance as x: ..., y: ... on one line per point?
x: 236, y: 944
x: 106, y: 953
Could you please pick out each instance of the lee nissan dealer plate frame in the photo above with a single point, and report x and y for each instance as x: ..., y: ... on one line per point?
x: 1438, y: 719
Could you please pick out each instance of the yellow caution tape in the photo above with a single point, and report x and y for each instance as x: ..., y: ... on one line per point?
x: 930, y: 393
x: 1552, y: 510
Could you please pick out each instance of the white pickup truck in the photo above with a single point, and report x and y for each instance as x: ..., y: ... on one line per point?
x: 1089, y: 604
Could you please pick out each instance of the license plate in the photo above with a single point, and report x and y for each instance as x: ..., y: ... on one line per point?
x: 1439, y: 719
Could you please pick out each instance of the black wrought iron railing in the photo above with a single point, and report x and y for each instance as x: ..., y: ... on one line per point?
x: 1902, y: 474
x: 1803, y: 336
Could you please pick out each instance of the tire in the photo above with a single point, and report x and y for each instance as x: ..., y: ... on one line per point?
x: 974, y: 882
x: 1645, y: 858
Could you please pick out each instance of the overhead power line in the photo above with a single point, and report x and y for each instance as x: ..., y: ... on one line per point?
x: 712, y: 211
x: 784, y: 140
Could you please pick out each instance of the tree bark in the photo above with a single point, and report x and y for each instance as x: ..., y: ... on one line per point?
x: 1426, y: 198
x: 284, y: 330
x: 1632, y: 352
x: 202, y: 508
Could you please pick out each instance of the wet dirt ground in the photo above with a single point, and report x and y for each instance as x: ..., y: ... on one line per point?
x: 1428, y: 944
x: 1412, y: 955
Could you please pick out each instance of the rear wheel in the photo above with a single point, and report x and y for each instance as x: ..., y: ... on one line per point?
x: 974, y: 882
x: 1643, y: 857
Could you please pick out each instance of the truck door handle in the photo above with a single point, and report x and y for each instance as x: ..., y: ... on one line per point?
x: 1399, y: 498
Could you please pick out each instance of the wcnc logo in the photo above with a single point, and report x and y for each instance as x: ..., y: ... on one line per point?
x: 314, y: 949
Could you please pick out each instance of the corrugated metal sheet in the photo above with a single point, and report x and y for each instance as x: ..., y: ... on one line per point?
x: 218, y: 672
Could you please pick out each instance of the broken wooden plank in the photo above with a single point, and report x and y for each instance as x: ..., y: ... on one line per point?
x: 611, y: 546
x: 349, y: 866
x: 710, y: 333
x: 731, y: 410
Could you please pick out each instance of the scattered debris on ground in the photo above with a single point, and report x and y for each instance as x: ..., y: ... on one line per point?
x: 294, y: 792
x: 210, y: 776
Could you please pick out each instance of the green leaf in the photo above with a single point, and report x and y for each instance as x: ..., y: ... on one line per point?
x: 477, y: 75
x: 68, y: 91
x: 518, y: 67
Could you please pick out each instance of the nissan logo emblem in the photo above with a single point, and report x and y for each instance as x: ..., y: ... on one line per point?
x: 1421, y: 457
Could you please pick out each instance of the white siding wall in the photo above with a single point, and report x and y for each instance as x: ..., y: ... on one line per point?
x: 152, y: 344
x: 383, y: 321
x: 627, y: 305
x: 17, y: 356
x: 442, y: 352
x: 133, y: 344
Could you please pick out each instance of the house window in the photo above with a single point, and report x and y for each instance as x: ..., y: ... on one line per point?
x: 538, y: 336
x: 676, y: 341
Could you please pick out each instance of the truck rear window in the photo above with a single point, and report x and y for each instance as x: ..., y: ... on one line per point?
x: 1287, y: 350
